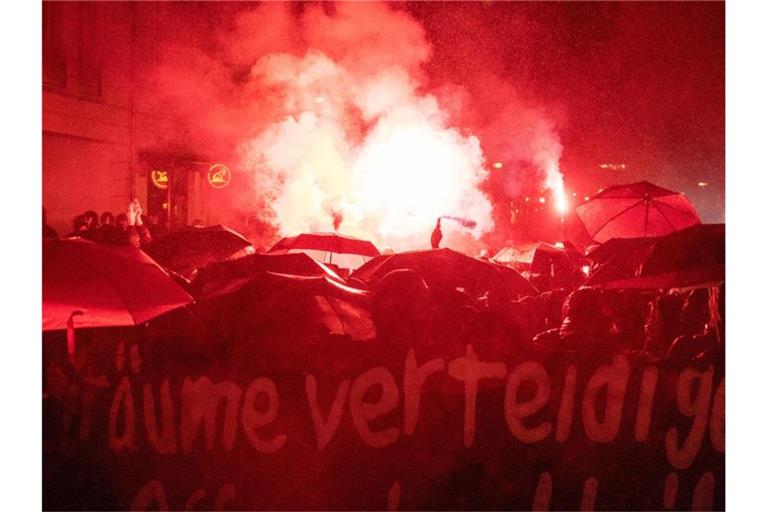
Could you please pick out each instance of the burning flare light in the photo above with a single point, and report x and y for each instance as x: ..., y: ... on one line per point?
x: 555, y: 184
x: 390, y: 185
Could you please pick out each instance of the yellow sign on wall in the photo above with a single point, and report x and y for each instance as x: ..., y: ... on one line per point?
x: 159, y: 178
x: 219, y: 176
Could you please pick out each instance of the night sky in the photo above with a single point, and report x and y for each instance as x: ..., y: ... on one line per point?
x: 640, y: 84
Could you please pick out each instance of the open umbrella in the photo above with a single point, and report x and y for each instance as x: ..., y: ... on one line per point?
x: 636, y: 210
x: 322, y: 247
x: 188, y: 249
x: 536, y: 257
x: 104, y: 286
x: 222, y: 277
x: 273, y: 304
x: 447, y: 269
x: 692, y: 257
x: 605, y: 252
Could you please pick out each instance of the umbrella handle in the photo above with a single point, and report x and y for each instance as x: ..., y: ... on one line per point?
x: 71, y: 345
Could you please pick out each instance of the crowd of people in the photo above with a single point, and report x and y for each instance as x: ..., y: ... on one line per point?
x: 129, y: 228
x: 565, y: 318
x: 259, y: 319
x: 670, y: 327
x: 584, y: 325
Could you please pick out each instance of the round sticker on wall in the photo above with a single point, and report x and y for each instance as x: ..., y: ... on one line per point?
x: 219, y: 176
x: 159, y: 178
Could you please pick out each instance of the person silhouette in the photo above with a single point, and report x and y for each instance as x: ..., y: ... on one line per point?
x: 437, y: 235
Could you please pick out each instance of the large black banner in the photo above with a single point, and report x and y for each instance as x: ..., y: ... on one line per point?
x: 457, y: 427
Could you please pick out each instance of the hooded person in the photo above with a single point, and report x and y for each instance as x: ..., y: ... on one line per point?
x: 437, y: 235
x: 79, y: 227
x: 585, y: 328
x: 107, y: 230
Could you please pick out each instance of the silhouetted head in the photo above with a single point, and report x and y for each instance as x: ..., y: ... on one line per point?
x: 695, y: 313
x: 107, y: 219
x: 400, y: 305
x: 91, y: 219
x: 585, y: 307
x: 122, y: 221
x: 80, y: 224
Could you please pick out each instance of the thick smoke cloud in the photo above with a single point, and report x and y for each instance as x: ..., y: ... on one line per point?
x: 329, y: 114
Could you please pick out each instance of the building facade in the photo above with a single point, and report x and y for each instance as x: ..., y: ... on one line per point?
x: 101, y: 143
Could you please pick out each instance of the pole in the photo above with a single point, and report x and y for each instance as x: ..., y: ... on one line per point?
x: 169, y: 214
x: 71, y: 341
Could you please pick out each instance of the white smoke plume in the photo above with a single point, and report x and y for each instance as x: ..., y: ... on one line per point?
x: 331, y: 119
x: 359, y: 140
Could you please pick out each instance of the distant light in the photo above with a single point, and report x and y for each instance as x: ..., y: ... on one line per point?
x: 560, y: 245
x: 585, y: 270
x: 319, y: 99
x: 599, y: 190
x: 527, y: 199
x: 497, y: 165
x: 586, y: 198
x: 542, y: 200
x: 573, y: 194
x: 703, y: 183
x: 613, y: 167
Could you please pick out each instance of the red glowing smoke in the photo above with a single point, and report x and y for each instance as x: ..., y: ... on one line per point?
x: 329, y: 113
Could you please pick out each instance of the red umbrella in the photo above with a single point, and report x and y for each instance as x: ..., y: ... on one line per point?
x: 350, y: 252
x: 637, y: 210
x: 104, y: 285
x: 328, y: 242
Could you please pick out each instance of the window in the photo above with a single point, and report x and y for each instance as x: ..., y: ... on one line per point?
x: 54, y: 54
x: 88, y: 57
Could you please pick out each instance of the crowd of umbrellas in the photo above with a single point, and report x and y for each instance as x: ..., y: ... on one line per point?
x: 644, y: 237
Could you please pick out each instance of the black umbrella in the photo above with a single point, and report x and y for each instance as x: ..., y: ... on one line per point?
x: 188, y: 249
x: 691, y: 257
x: 222, y: 277
x: 447, y: 269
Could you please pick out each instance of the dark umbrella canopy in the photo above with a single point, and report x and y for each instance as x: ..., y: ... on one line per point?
x: 272, y: 304
x: 636, y: 210
x: 617, y: 247
x: 223, y: 277
x: 188, y: 249
x: 691, y: 257
x: 447, y: 269
x: 537, y: 257
x: 110, y: 285
x: 327, y: 242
